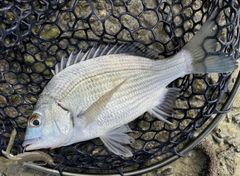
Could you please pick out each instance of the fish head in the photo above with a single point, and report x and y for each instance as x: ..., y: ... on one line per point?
x: 49, y: 126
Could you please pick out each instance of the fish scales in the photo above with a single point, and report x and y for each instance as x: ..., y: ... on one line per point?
x: 142, y: 85
x: 100, y: 83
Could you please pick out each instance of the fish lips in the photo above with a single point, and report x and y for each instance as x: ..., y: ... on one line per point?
x: 31, y: 144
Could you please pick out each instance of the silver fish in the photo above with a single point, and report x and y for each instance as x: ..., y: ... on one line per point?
x: 98, y: 97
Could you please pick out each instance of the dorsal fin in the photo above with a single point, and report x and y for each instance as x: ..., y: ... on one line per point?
x: 136, y: 49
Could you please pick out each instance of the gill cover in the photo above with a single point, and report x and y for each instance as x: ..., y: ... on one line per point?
x: 63, y: 118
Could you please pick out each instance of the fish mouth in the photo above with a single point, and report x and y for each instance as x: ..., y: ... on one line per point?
x: 30, y: 144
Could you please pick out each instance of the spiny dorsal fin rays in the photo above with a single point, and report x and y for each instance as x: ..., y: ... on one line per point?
x: 78, y: 57
x: 84, y: 57
x: 62, y: 64
x: 71, y: 57
x: 59, y: 66
x: 56, y: 69
x: 97, y: 107
x: 90, y: 53
x: 53, y: 72
x: 96, y: 51
x: 119, y: 48
x: 104, y: 51
x: 112, y: 50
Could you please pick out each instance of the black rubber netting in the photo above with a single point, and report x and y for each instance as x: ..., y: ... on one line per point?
x: 35, y: 34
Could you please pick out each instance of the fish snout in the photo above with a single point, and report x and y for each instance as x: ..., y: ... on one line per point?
x: 30, y: 144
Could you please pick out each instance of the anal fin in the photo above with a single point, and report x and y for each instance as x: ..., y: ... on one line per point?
x: 165, y: 108
x: 112, y: 140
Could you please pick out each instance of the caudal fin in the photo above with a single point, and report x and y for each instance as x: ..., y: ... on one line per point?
x: 217, y: 62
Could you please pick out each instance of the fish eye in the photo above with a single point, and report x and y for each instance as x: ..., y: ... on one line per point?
x: 35, y: 120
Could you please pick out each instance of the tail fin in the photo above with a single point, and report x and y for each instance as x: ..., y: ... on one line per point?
x: 215, y: 63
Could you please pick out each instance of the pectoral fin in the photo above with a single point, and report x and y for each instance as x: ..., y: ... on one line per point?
x: 112, y: 140
x: 97, y: 107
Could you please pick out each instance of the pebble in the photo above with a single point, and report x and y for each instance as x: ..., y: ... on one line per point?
x: 217, y: 139
x: 236, y: 118
x: 237, y: 149
x: 231, y: 141
x: 167, y: 171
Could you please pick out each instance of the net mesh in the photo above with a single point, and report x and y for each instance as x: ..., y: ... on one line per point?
x: 35, y: 34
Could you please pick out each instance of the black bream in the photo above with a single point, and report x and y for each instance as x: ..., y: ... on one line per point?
x: 98, y: 97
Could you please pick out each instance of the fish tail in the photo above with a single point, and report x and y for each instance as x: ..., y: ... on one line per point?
x: 201, y: 48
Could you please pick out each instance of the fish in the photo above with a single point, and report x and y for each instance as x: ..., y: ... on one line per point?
x: 95, y: 94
